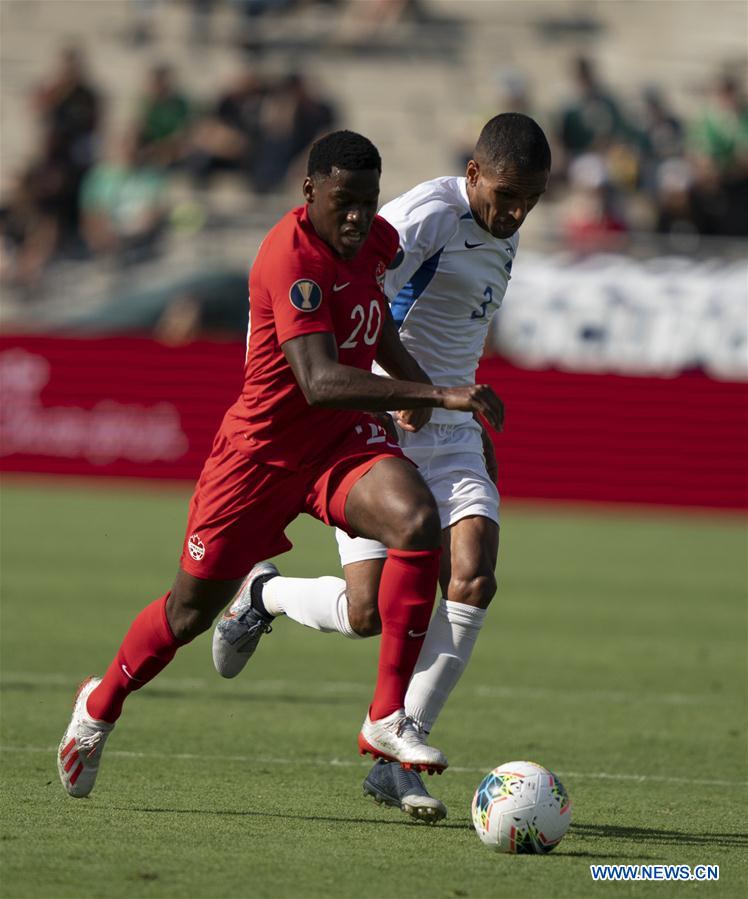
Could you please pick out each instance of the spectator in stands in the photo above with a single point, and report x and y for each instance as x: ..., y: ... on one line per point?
x: 163, y: 119
x: 679, y: 214
x: 662, y: 137
x: 40, y: 213
x: 228, y: 136
x: 123, y: 204
x: 593, y: 121
x: 70, y: 112
x: 28, y: 236
x: 292, y: 116
x: 719, y: 144
x: 69, y: 108
x: 593, y: 220
x: 721, y: 132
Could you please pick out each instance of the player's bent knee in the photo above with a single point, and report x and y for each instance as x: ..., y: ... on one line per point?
x: 365, y: 621
x: 419, y: 529
x: 477, y: 591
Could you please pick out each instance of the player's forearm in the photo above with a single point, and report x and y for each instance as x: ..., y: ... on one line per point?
x: 324, y: 381
x: 344, y: 387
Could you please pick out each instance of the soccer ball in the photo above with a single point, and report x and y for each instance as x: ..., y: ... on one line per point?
x: 521, y: 808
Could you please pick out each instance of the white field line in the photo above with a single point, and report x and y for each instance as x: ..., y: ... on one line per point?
x: 356, y: 690
x: 347, y: 763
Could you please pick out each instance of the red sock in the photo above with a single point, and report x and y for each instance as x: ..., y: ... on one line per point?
x: 406, y: 598
x: 147, y: 649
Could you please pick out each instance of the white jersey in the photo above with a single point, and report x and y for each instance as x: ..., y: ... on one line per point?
x: 448, y: 279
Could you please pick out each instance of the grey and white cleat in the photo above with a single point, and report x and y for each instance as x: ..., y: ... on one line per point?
x: 239, y: 629
x: 391, y: 784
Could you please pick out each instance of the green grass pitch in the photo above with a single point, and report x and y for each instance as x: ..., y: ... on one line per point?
x: 614, y: 654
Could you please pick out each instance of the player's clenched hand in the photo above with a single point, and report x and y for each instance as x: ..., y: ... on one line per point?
x: 413, y: 419
x: 478, y: 398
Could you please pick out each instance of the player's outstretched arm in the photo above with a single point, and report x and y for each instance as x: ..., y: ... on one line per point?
x: 325, y: 382
x: 400, y: 364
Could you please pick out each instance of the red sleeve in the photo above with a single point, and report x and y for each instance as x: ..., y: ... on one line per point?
x: 298, y: 285
x: 387, y: 238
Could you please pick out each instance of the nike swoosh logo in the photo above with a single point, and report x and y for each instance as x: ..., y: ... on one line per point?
x: 132, y: 677
x: 337, y: 287
x: 412, y: 633
x: 472, y: 246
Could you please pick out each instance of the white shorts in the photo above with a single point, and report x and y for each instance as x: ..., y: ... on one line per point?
x: 450, y: 460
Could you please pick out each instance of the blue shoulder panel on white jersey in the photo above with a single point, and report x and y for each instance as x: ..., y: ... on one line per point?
x: 410, y: 292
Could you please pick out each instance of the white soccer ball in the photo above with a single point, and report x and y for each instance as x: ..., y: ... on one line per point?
x: 522, y: 808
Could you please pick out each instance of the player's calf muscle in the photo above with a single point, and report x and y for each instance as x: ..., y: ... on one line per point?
x: 362, y: 593
x: 477, y: 591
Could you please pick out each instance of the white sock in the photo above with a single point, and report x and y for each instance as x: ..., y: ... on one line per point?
x: 445, y: 652
x: 320, y: 602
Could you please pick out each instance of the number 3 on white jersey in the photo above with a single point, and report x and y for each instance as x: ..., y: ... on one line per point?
x: 373, y: 325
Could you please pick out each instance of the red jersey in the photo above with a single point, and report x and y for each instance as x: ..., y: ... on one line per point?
x: 299, y: 285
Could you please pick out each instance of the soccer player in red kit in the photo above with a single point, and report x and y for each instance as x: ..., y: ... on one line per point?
x: 297, y: 441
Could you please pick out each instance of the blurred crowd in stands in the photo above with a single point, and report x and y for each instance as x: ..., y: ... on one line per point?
x: 693, y: 174
x: 87, y: 193
x: 621, y: 167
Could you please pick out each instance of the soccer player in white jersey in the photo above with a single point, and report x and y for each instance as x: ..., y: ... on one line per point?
x: 458, y: 241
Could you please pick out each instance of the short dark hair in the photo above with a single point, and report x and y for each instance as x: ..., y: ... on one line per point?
x: 343, y: 150
x: 512, y: 140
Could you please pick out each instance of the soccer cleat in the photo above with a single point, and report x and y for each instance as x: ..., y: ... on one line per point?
x: 238, y: 631
x: 391, y: 784
x: 80, y: 750
x: 397, y: 738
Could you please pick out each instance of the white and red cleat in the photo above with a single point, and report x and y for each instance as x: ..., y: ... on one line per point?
x: 397, y: 738
x: 80, y: 750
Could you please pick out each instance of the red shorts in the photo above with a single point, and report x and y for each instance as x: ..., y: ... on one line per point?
x: 241, y: 508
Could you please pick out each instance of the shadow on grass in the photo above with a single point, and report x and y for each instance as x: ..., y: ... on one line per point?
x: 617, y: 856
x: 376, y: 822
x: 270, y: 698
x: 246, y: 813
x: 655, y: 835
x: 201, y: 694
